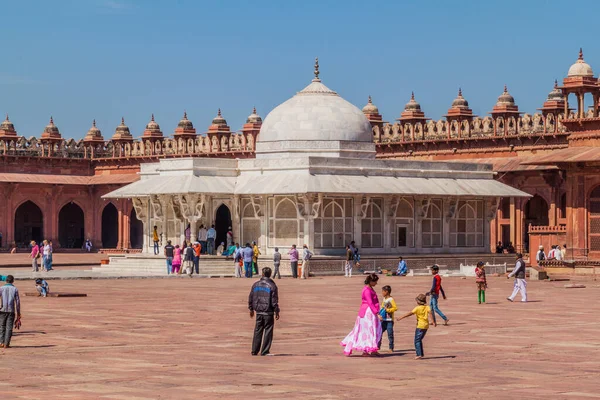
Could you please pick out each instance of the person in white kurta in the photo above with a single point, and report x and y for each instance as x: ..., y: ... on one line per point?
x: 520, y: 285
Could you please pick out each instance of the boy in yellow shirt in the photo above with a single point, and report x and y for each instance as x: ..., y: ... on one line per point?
x: 423, y: 313
x: 388, y: 307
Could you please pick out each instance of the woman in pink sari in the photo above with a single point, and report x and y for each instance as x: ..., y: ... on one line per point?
x: 176, y: 260
x: 367, y: 329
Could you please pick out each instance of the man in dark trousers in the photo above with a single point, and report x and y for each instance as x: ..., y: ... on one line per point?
x: 264, y: 301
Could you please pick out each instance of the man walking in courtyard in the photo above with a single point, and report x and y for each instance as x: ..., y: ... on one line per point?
x: 155, y: 239
x: 264, y: 302
x: 211, y: 236
x: 520, y: 284
x: 11, y: 308
x: 306, y: 256
x: 247, y: 254
x: 169, y: 249
x: 202, y: 238
x: 293, y: 253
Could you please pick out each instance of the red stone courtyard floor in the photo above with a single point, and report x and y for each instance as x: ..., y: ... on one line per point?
x: 189, y: 339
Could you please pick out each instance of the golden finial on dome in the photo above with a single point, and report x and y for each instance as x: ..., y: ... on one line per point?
x: 254, y: 110
x: 317, y: 70
x: 412, y: 95
x: 152, y: 119
x: 459, y: 92
x: 219, y: 112
x: 94, y: 123
x: 555, y: 84
x: 580, y: 54
x: 370, y: 101
x: 51, y: 120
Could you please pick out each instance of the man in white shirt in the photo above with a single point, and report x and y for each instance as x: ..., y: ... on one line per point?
x: 541, y: 256
x: 557, y: 253
x: 202, y: 236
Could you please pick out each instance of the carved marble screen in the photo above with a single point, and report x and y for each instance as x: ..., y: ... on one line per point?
x: 283, y: 222
x: 466, y: 228
x: 334, y: 225
x: 372, y: 225
x: 250, y: 222
x: 432, y: 225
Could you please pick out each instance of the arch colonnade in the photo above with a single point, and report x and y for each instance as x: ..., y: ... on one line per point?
x: 67, y: 216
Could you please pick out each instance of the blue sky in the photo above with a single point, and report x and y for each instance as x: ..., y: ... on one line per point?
x: 83, y: 59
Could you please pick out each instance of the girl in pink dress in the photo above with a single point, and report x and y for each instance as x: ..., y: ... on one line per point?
x: 176, y: 260
x: 367, y: 329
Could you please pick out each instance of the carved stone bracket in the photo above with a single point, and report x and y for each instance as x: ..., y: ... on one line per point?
x: 393, y: 208
x: 491, y: 206
x: 451, y: 205
x: 422, y: 206
x: 364, y: 206
x: 156, y: 204
x: 139, y: 205
x: 191, y: 206
x: 316, y: 205
x: 257, y: 206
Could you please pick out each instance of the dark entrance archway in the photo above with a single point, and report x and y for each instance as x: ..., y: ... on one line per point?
x: 71, y: 226
x: 536, y: 214
x: 136, y: 231
x: 110, y: 226
x: 222, y: 224
x: 29, y: 224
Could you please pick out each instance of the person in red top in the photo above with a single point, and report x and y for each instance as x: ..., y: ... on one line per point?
x: 197, y: 250
x: 436, y: 289
x: 35, y: 254
x: 481, y: 281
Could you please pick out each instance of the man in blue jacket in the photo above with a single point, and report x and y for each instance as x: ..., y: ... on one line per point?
x: 264, y: 301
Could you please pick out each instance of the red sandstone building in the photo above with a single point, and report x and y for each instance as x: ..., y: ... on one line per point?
x: 53, y: 187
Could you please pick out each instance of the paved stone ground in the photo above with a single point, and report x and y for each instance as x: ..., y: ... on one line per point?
x: 62, y: 259
x: 190, y: 339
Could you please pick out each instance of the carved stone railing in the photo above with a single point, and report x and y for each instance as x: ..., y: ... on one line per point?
x: 70, y: 148
x: 486, y: 127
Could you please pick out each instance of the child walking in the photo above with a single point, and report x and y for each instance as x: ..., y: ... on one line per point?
x: 481, y: 281
x: 276, y: 263
x: 422, y: 312
x: 436, y: 288
x: 388, y: 307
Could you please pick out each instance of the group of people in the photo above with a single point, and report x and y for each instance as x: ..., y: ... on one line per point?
x: 43, y: 251
x: 206, y: 237
x: 183, y: 259
x: 247, y: 258
x: 508, y: 248
x: 374, y: 317
x: 555, y: 253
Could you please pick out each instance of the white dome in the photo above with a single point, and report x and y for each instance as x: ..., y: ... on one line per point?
x: 316, y: 114
x: 580, y: 68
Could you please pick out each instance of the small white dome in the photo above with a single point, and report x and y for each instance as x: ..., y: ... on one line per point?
x: 580, y: 68
x: 316, y: 114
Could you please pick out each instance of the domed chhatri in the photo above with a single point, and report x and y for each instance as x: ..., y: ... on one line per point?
x: 412, y: 105
x: 94, y: 134
x: 556, y: 94
x: 580, y: 68
x: 254, y: 118
x: 122, y: 132
x: 185, y: 123
x: 152, y: 129
x: 315, y: 114
x: 219, y: 120
x: 505, y: 99
x: 370, y: 108
x: 51, y: 131
x: 460, y: 101
x: 7, y: 127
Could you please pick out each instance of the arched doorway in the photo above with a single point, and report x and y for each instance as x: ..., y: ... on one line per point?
x: 536, y: 214
x: 136, y: 231
x: 110, y: 226
x: 71, y: 226
x: 222, y: 224
x: 29, y: 224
